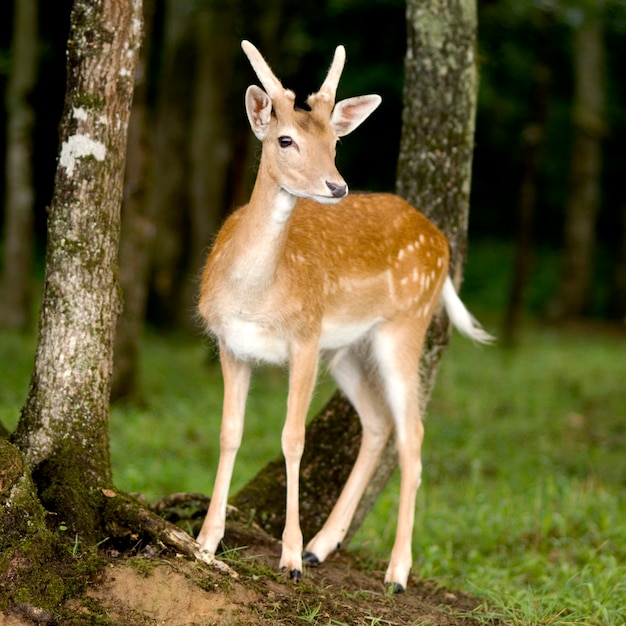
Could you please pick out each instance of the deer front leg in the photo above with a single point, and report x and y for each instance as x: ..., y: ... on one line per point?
x: 236, y: 375
x: 302, y: 374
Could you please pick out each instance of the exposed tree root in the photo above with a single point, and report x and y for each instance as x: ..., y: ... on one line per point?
x: 130, y: 515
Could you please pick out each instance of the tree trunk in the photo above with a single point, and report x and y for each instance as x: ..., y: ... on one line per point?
x: 15, y: 301
x: 210, y: 140
x: 63, y: 431
x: 532, y: 143
x: 573, y: 294
x: 434, y: 175
x: 56, y: 492
x: 617, y: 304
x: 435, y: 161
x: 137, y: 234
x: 169, y: 192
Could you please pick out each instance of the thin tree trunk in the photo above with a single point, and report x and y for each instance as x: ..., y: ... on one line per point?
x: 15, y: 302
x: 532, y: 144
x: 573, y: 295
x: 617, y: 305
x: 137, y: 234
x: 63, y: 431
x: 434, y: 175
x: 169, y: 190
x: 210, y: 141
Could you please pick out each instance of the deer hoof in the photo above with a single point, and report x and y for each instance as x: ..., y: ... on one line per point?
x: 310, y: 559
x: 396, y: 588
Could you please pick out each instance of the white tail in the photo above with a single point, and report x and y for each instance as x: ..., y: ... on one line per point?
x: 460, y: 317
x: 293, y: 276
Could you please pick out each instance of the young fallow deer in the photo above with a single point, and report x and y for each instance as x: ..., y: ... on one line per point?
x: 293, y: 275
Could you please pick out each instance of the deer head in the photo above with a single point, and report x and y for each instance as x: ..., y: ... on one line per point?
x: 299, y: 146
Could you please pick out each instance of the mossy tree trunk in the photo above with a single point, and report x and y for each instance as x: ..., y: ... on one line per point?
x: 434, y: 174
x: 63, y: 430
x: 55, y: 472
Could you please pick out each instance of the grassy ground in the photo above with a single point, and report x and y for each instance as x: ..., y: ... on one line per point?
x: 523, y: 498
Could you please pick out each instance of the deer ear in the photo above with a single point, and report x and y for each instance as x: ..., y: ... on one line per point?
x: 259, y: 110
x: 348, y: 114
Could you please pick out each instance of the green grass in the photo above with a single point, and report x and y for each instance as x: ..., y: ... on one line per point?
x: 523, y: 500
x: 524, y: 463
x: 524, y: 474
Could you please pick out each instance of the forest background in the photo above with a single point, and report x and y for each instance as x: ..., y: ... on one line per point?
x: 548, y: 164
x: 547, y: 219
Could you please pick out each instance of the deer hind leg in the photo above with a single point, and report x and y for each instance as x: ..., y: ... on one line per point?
x: 236, y: 375
x: 397, y: 348
x: 357, y: 383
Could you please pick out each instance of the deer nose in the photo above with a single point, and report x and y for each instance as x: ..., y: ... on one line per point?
x: 338, y: 191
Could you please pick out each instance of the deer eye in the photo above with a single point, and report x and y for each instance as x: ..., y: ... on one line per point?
x: 285, y: 141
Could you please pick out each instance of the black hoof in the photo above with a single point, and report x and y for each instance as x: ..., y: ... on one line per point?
x: 396, y: 588
x: 310, y: 559
x: 295, y: 575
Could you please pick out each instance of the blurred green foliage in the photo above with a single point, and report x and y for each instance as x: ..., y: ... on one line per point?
x: 301, y: 40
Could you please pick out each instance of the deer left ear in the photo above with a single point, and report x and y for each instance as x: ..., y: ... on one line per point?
x: 350, y: 113
x: 259, y: 110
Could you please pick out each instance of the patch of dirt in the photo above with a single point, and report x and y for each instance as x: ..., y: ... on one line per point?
x: 167, y: 590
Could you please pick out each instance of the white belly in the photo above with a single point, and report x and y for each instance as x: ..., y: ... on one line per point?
x: 250, y: 341
x: 337, y: 335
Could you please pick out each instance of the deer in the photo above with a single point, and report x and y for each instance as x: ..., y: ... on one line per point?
x: 307, y: 272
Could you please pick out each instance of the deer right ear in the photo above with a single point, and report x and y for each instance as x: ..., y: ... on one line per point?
x: 348, y: 114
x: 259, y: 110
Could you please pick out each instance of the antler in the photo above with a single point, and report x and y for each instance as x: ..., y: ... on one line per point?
x: 329, y: 86
x: 269, y: 81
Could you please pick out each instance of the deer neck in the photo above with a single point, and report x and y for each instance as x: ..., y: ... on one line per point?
x: 263, y: 230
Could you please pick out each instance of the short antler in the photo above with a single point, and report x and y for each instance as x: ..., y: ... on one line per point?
x: 269, y: 81
x: 329, y: 85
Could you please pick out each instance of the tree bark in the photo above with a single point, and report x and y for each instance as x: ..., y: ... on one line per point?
x: 63, y: 430
x: 15, y: 302
x: 137, y: 231
x: 434, y: 175
x: 573, y: 294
